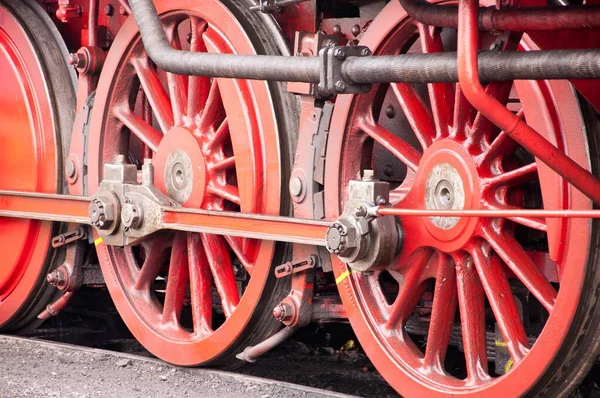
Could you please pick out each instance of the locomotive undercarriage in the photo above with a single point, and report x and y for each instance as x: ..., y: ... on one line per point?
x: 448, y: 193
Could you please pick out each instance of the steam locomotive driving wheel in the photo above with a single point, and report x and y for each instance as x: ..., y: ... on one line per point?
x: 494, y: 306
x: 37, y: 105
x: 195, y: 298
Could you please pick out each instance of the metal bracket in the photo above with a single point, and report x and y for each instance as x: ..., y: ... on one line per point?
x: 296, y: 266
x: 269, y: 6
x: 68, y: 237
x: 332, y: 81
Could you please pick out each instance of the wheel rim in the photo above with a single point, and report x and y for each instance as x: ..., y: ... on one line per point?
x: 29, y: 145
x: 459, y: 170
x: 218, y: 148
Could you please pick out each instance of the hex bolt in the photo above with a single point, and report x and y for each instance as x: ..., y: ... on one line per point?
x: 131, y: 215
x: 361, y: 211
x: 101, y: 214
x: 339, y: 53
x: 368, y: 175
x: 295, y: 186
x: 109, y: 10
x: 365, y: 52
x: 70, y: 168
x: 283, y: 312
x: 77, y: 60
x: 340, y: 86
x: 56, y: 278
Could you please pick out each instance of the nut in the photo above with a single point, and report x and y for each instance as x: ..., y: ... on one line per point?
x: 283, y: 312
x: 101, y: 213
x: 339, y: 53
x: 340, y: 86
x: 131, y: 215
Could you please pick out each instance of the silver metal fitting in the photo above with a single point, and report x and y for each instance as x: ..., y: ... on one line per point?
x: 131, y: 215
x: 358, y: 237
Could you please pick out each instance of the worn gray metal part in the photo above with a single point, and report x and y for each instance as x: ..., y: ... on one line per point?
x: 409, y: 68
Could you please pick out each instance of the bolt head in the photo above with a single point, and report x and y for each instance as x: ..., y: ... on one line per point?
x: 390, y: 111
x: 355, y: 30
x: 109, y: 10
x: 131, y: 215
x: 70, y: 168
x: 101, y: 213
x: 340, y: 86
x: 339, y: 53
x: 295, y: 186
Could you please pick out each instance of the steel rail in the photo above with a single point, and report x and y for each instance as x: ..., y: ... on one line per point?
x: 408, y: 68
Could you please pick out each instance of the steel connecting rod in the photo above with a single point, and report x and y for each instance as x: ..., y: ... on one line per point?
x: 75, y: 209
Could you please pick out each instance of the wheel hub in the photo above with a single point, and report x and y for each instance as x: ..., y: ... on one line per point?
x: 448, y: 180
x: 180, y: 167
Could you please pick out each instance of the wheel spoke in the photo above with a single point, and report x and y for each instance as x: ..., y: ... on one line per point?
x: 464, y: 113
x: 531, y: 222
x: 416, y: 113
x: 513, y: 177
x: 522, y: 266
x: 213, y: 113
x: 472, y: 318
x: 502, y: 301
x: 153, y: 263
x: 442, y: 313
x: 138, y: 126
x: 200, y: 285
x: 440, y: 94
x: 155, y: 92
x: 397, y: 146
x: 198, y: 86
x: 224, y: 164
x: 222, y: 272
x: 177, y: 281
x: 220, y: 134
x: 411, y: 289
x: 177, y: 84
x: 227, y: 192
x: 237, y: 245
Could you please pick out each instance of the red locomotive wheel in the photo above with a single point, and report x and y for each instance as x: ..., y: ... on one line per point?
x: 196, y: 298
x: 490, y: 307
x: 37, y: 104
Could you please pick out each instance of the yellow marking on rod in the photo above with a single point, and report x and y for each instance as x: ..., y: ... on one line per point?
x: 500, y: 343
x: 342, y: 276
x: 98, y: 241
x: 508, y: 365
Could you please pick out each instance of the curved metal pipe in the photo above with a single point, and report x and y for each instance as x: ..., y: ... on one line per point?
x: 251, y: 353
x: 258, y: 67
x: 498, y: 114
x: 511, y: 19
x: 408, y: 68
